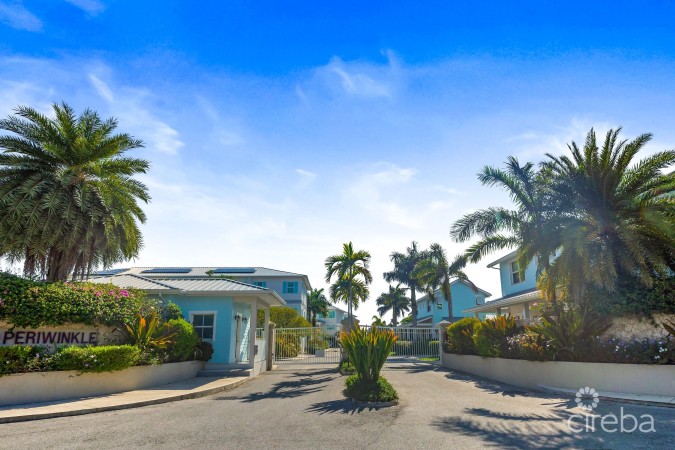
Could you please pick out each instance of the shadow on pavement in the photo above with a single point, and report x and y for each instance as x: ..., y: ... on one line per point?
x: 343, y: 406
x: 284, y: 389
x: 411, y: 367
x: 490, y: 386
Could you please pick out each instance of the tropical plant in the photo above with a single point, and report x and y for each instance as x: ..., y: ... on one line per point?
x: 378, y: 322
x: 403, y: 273
x: 317, y: 303
x: 68, y: 199
x: 353, y: 276
x: 435, y: 272
x: 623, y: 218
x: 105, y: 358
x: 570, y: 331
x: 395, y: 301
x: 283, y: 317
x: 149, y: 333
x: 533, y: 227
x: 185, y: 340
x: 460, y: 336
x: 491, y: 335
x: 377, y: 391
x: 368, y: 350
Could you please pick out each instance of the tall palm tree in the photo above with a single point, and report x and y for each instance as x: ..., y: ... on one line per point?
x: 404, y: 266
x: 533, y: 227
x: 317, y: 303
x: 68, y: 199
x: 351, y: 269
x: 436, y: 273
x: 378, y: 322
x: 395, y: 301
x: 352, y: 292
x: 622, y: 222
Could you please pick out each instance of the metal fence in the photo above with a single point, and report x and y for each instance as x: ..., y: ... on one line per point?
x: 306, y: 346
x: 417, y: 344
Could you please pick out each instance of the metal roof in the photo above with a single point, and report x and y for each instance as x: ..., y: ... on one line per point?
x: 190, y: 286
x: 424, y: 297
x: 521, y: 297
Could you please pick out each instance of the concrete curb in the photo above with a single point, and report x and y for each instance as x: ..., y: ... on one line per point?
x: 131, y: 404
x: 639, y: 399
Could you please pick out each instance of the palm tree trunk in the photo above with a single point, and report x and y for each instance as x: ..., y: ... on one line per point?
x: 349, y: 307
x: 413, y: 307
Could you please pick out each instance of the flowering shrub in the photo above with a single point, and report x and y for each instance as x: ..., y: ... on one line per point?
x: 31, y: 304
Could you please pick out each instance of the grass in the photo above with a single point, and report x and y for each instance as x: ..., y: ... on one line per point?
x: 428, y: 359
x: 379, y: 391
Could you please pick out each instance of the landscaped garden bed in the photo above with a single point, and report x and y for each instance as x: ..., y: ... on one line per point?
x: 367, y: 351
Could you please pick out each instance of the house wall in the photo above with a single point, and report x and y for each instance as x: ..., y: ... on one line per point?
x: 297, y: 301
x: 223, y: 307
x: 463, y: 297
x: 529, y: 282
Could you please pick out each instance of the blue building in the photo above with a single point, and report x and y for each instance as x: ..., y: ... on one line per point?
x: 221, y: 303
x: 519, y: 290
x: 432, y: 310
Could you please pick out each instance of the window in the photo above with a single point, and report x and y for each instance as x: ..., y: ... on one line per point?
x: 428, y: 305
x: 331, y: 314
x: 290, y: 287
x: 204, y: 325
x: 439, y: 305
x: 262, y: 284
x: 517, y: 275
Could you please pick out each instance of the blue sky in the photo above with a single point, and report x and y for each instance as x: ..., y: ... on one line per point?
x: 279, y: 130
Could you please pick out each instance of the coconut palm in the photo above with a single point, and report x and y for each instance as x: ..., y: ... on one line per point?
x: 404, y: 266
x: 435, y: 272
x: 378, y: 322
x: 622, y: 223
x: 317, y: 303
x: 533, y: 227
x: 395, y: 301
x: 351, y: 270
x: 68, y: 199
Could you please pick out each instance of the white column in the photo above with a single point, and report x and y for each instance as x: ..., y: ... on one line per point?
x: 526, y: 310
x: 252, y: 328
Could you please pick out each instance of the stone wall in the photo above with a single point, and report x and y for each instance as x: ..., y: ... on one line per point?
x: 628, y: 328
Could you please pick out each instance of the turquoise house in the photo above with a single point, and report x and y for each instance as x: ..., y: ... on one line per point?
x: 223, y: 311
x: 432, y: 310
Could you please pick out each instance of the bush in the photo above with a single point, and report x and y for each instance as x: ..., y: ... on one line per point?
x: 204, y: 351
x: 368, y: 350
x: 316, y: 342
x: 283, y: 317
x: 345, y: 367
x: 22, y: 358
x: 184, y: 340
x: 108, y: 358
x: 286, y: 347
x: 460, y: 336
x: 490, y: 336
x: 528, y: 345
x: 370, y: 391
x: 402, y: 348
x: 433, y: 348
x: 171, y: 311
x: 31, y: 304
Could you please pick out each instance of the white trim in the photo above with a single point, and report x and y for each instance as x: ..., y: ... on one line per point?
x: 203, y: 313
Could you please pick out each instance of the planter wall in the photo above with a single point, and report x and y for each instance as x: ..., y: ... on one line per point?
x: 22, y: 388
x: 627, y: 378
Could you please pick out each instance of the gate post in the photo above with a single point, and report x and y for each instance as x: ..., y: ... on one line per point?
x: 442, y: 335
x: 271, y: 345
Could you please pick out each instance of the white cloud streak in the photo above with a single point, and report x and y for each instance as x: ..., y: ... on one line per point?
x: 17, y: 16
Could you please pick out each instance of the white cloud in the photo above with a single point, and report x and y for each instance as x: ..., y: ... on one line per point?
x: 16, y: 16
x: 358, y: 79
x: 305, y: 173
x: 102, y: 88
x: 91, y: 7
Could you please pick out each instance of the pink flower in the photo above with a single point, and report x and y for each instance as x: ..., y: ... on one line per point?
x: 124, y: 293
x: 112, y: 292
x: 99, y: 293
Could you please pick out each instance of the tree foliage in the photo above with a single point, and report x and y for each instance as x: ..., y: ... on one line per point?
x: 68, y: 196
x: 403, y: 273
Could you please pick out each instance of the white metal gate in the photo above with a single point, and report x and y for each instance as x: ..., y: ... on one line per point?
x: 306, y: 346
x: 416, y: 344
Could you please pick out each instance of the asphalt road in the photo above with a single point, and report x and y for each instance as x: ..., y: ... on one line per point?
x: 306, y: 409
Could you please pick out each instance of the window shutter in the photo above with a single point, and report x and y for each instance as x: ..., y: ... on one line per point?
x: 285, y: 288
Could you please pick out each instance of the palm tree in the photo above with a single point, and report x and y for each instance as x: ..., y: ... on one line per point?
x: 404, y: 266
x: 68, y: 199
x: 533, y: 227
x: 435, y: 272
x: 317, y: 303
x: 351, y: 269
x: 622, y: 223
x: 395, y: 301
x: 378, y: 322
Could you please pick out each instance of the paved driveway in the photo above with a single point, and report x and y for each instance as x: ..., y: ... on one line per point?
x: 301, y: 408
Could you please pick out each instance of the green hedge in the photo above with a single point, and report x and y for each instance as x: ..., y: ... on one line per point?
x: 460, y: 336
x: 376, y: 391
x: 24, y: 358
x: 107, y: 358
x: 31, y: 304
x: 184, y: 342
